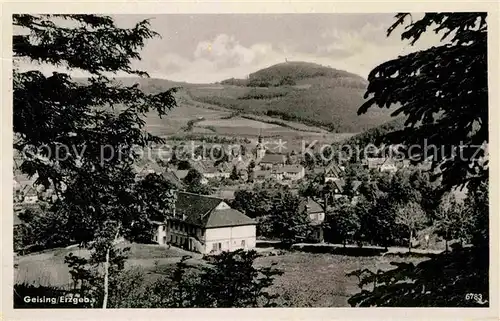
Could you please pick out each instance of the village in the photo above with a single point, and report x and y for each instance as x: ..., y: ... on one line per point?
x: 204, y: 222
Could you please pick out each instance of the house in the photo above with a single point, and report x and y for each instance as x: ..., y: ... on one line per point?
x: 17, y: 221
x: 210, y: 170
x: 226, y: 194
x: 374, y: 162
x: 213, y: 172
x: 388, y: 166
x: 30, y: 195
x: 15, y: 185
x: 316, y: 214
x: 142, y: 169
x: 206, y: 224
x: 333, y: 171
x: 403, y: 163
x: 381, y: 164
x: 290, y: 172
x: 272, y: 161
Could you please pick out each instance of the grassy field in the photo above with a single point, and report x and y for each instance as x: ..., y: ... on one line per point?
x: 49, y: 268
x: 333, y: 107
x: 309, y: 280
x: 319, y: 280
x: 319, y: 97
x: 210, y: 119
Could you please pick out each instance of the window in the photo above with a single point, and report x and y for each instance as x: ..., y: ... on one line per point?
x: 164, y: 240
x: 214, y: 247
x: 164, y: 228
x: 242, y: 243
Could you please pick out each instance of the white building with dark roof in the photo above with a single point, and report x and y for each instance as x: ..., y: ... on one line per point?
x: 290, y: 172
x: 206, y: 224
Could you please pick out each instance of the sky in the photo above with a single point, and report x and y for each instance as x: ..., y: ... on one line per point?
x: 205, y: 48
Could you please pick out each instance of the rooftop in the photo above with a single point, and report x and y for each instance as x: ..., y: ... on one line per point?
x: 290, y: 169
x: 202, y: 210
x: 273, y: 159
x: 173, y: 179
x: 311, y: 206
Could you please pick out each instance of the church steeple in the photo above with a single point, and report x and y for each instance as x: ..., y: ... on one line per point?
x: 261, y: 150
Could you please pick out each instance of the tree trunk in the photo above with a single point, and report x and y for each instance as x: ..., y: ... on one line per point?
x: 409, y: 243
x: 106, y: 280
x: 446, y: 244
x: 106, y: 271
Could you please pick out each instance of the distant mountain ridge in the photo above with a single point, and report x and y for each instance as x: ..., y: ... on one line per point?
x: 295, y: 73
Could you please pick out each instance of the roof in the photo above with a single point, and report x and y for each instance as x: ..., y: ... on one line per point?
x: 228, y: 217
x: 226, y: 194
x: 311, y: 206
x: 262, y: 174
x: 181, y: 173
x: 389, y: 162
x: 375, y: 162
x: 356, y: 184
x: 151, y: 167
x: 333, y: 169
x: 17, y: 220
x: 29, y: 191
x: 202, y: 210
x: 338, y: 184
x: 318, y: 170
x: 273, y: 159
x: 290, y: 169
x: 173, y: 179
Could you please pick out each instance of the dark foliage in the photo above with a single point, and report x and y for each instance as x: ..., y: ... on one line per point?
x: 442, y: 91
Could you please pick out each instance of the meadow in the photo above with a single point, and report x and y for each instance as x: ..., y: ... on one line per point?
x: 309, y: 279
x: 200, y: 118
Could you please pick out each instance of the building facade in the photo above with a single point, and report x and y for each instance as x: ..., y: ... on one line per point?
x: 290, y: 172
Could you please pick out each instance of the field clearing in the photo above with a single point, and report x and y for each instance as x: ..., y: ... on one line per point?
x: 319, y: 280
x: 237, y: 122
x: 214, y: 119
x: 329, y: 106
x: 294, y: 125
x: 309, y: 279
x: 49, y: 268
x: 177, y: 119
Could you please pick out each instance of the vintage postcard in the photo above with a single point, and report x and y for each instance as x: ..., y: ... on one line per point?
x: 325, y: 157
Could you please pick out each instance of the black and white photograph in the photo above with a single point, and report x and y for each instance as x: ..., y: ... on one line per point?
x: 250, y: 160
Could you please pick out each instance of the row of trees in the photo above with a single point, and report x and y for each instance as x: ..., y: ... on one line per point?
x: 277, y: 209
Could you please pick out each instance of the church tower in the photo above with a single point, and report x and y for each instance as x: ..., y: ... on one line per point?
x: 261, y: 149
